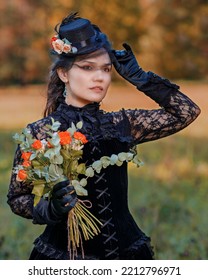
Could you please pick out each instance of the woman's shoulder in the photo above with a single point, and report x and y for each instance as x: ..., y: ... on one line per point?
x: 39, y: 127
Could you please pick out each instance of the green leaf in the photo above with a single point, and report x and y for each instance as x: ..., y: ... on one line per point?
x: 113, y: 159
x: 89, y: 172
x: 55, y: 172
x: 33, y: 156
x: 72, y: 129
x: 55, y: 125
x: 55, y: 140
x: 129, y: 156
x: 83, y: 182
x: 36, y: 200
x: 38, y: 189
x: 79, y: 125
x: 97, y: 166
x: 66, y: 155
x: 36, y: 163
x: 122, y: 156
x: 105, y: 160
x: 58, y: 159
x: 137, y: 161
x: 78, y: 188
x: 119, y: 163
x: 81, y: 168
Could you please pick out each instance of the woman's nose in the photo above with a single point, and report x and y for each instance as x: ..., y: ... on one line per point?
x: 98, y: 75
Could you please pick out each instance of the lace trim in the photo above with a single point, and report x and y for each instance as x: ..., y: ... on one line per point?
x: 139, y: 250
x: 98, y: 125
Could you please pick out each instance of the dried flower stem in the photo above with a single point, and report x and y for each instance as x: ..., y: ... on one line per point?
x: 80, y: 218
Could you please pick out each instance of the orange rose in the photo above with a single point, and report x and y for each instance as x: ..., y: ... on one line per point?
x: 37, y: 145
x: 65, y: 137
x: 26, y: 155
x: 22, y: 175
x: 26, y: 163
x: 79, y: 136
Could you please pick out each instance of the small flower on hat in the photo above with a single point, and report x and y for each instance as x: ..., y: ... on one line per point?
x: 62, y: 46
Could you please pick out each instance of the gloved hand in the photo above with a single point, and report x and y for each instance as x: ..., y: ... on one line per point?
x: 127, y: 66
x: 157, y: 88
x: 63, y: 198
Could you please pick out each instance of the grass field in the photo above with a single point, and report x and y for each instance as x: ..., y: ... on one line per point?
x: 167, y: 196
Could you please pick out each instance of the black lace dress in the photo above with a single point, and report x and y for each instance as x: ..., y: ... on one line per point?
x: 108, y: 133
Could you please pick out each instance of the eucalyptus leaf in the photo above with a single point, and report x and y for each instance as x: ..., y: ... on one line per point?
x: 122, y: 156
x: 119, y: 163
x: 129, y: 156
x: 113, y: 159
x: 105, y: 160
x: 79, y: 125
x: 78, y: 188
x: 83, y: 182
x: 137, y: 161
x: 89, y: 172
x: 50, y: 153
x: 57, y: 159
x: 55, y: 125
x: 17, y: 138
x: 37, y: 172
x: 72, y: 129
x: 55, y: 171
x: 55, y: 140
x: 97, y: 166
x: 33, y: 156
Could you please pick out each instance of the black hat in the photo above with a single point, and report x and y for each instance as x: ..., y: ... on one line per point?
x: 78, y: 36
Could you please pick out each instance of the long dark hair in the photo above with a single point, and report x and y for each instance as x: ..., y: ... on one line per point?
x: 55, y: 85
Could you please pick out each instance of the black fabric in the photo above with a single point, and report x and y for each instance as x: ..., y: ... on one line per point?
x: 107, y: 133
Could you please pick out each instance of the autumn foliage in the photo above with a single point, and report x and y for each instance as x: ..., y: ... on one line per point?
x: 167, y: 36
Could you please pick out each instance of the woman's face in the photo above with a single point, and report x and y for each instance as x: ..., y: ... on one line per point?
x: 88, y: 79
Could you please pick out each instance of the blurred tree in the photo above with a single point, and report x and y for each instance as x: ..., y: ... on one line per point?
x: 183, y: 32
x: 118, y: 19
x: 169, y: 36
x: 26, y: 27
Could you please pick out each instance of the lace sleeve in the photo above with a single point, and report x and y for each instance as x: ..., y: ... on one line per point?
x: 19, y: 195
x: 20, y: 198
x: 148, y: 125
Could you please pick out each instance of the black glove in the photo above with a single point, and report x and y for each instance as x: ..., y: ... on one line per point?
x: 127, y: 66
x: 157, y: 88
x: 63, y: 199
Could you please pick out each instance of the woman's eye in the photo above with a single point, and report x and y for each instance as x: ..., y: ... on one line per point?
x: 87, y: 67
x: 107, y: 69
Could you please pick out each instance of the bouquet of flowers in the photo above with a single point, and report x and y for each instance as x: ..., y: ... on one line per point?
x: 46, y: 162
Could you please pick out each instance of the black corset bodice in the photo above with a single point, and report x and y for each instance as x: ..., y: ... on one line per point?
x: 107, y: 191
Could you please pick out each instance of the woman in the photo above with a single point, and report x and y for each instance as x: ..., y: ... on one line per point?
x: 79, y: 81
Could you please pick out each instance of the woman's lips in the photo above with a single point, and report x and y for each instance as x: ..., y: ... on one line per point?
x: 96, y: 89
